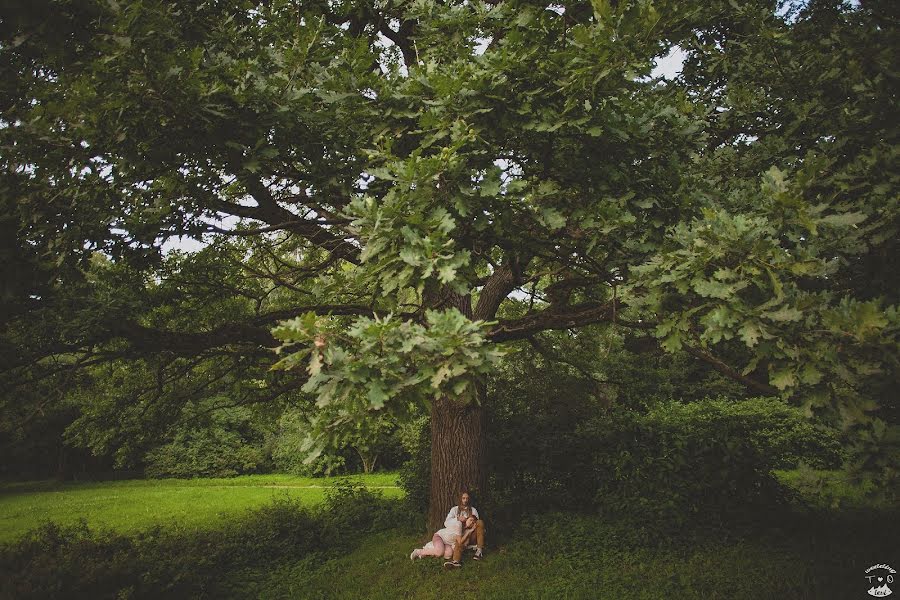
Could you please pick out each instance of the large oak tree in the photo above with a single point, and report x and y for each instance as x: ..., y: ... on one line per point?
x: 391, y: 189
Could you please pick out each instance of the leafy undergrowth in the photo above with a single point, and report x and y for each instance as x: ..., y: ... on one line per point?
x: 838, y: 489
x: 357, y: 544
x: 809, y: 555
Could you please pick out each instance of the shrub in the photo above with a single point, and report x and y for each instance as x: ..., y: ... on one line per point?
x: 415, y: 474
x: 351, y: 509
x: 673, y: 460
x: 289, y: 449
x: 560, y: 441
x: 678, y: 461
x: 223, y: 443
x: 203, y: 453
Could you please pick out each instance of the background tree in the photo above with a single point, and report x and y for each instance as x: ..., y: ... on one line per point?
x: 381, y: 178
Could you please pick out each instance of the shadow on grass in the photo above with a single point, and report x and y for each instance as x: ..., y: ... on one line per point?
x: 791, y: 553
x: 357, y: 545
x: 79, y: 562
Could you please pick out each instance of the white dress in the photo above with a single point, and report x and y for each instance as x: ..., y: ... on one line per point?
x: 450, y: 534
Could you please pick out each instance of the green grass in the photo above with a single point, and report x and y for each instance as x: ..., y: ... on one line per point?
x: 282, y: 551
x: 818, y: 552
x: 832, y: 489
x: 133, y: 505
x: 587, y: 557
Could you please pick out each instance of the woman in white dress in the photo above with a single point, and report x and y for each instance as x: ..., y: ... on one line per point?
x: 441, y: 543
x: 443, y: 540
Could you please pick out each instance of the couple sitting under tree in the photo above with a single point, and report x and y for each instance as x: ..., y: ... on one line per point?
x: 462, y: 528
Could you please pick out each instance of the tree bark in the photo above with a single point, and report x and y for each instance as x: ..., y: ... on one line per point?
x: 458, y: 448
x: 458, y: 455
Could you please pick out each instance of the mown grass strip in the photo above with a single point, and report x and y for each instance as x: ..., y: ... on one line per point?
x: 133, y: 505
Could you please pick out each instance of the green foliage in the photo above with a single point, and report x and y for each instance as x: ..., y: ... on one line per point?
x: 694, y: 461
x: 415, y: 475
x: 222, y: 447
x: 290, y: 449
x: 360, y: 447
x: 382, y: 365
x: 544, y: 391
x: 408, y: 239
x: 78, y: 562
x: 125, y: 409
x: 874, y: 460
x: 377, y: 354
x: 745, y: 211
x: 840, y: 489
x: 352, y: 510
x: 736, y: 280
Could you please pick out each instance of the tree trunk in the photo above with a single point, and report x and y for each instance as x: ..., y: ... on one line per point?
x: 368, y: 461
x: 458, y: 446
x: 62, y: 463
x: 458, y: 454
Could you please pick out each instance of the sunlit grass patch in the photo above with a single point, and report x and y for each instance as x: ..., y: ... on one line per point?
x: 132, y: 505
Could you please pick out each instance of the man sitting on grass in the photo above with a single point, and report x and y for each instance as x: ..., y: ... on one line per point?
x: 473, y: 527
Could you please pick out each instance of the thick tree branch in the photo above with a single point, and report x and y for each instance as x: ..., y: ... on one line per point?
x: 574, y: 316
x: 274, y: 214
x: 498, y: 286
x: 246, y: 400
x: 269, y: 211
x: 554, y: 357
x: 255, y: 332
x: 321, y: 309
x: 402, y: 38
x: 255, y: 337
x: 728, y: 371
x: 143, y: 340
x: 592, y: 312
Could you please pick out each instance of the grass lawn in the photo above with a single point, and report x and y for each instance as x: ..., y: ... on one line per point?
x: 133, y: 505
x: 589, y: 558
x: 818, y: 552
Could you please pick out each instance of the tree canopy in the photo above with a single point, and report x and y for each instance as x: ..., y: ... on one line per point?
x: 390, y: 191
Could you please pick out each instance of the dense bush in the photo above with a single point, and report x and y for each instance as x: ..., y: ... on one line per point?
x: 240, y: 440
x: 674, y: 461
x: 203, y: 453
x: 78, y: 562
x: 700, y: 459
x: 561, y: 440
x: 415, y: 474
x: 380, y: 448
x: 289, y: 452
x: 227, y: 442
x: 546, y: 390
